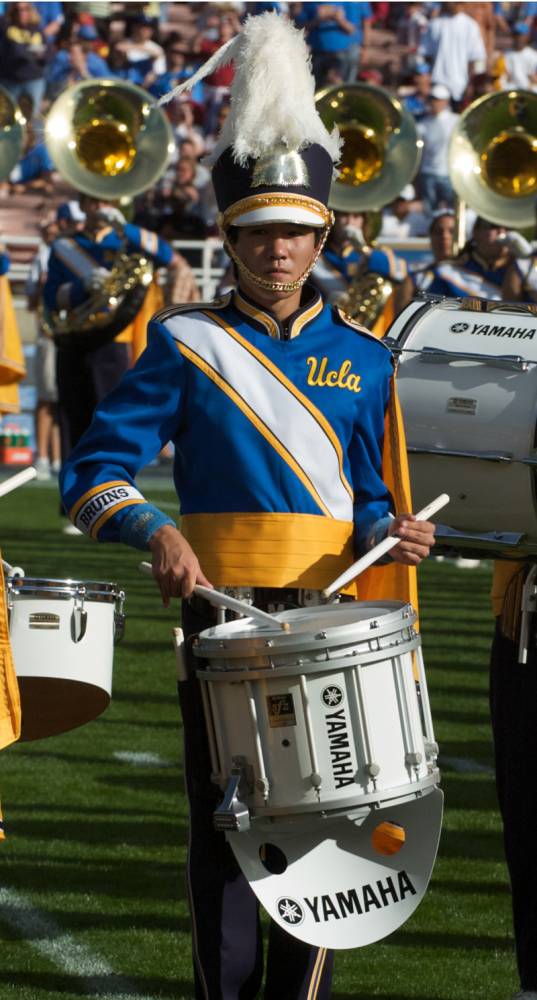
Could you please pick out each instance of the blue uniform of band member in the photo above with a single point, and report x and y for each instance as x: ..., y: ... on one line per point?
x: 277, y: 406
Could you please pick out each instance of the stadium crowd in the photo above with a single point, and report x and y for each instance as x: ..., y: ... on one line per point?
x: 436, y: 57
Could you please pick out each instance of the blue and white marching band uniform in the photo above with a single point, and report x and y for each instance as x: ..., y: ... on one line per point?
x: 73, y: 259
x: 467, y: 275
x: 85, y: 375
x: 296, y: 427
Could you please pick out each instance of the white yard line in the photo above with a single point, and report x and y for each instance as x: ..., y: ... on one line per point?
x: 46, y: 937
x: 140, y: 759
x: 464, y: 766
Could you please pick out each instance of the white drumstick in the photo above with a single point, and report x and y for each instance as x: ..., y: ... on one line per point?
x: 379, y: 550
x: 221, y: 600
x: 18, y: 480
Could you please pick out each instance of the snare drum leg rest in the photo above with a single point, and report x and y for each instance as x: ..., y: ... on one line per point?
x: 226, y: 933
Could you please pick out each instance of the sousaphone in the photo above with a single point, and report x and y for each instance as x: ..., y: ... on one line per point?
x: 108, y: 139
x: 381, y: 154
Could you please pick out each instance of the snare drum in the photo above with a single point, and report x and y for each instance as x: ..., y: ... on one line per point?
x: 329, y: 717
x: 62, y: 635
x: 467, y: 383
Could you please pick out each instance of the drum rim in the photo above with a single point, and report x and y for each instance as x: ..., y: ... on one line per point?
x: 47, y: 586
x: 215, y: 643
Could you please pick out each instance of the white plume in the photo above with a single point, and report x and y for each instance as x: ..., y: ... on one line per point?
x: 273, y: 93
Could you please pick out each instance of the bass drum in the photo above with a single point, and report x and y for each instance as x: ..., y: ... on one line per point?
x: 467, y: 381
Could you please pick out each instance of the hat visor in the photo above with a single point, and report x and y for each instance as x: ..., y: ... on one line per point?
x: 296, y: 210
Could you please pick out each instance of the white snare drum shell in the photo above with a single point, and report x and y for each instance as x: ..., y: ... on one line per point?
x: 328, y: 730
x: 62, y: 639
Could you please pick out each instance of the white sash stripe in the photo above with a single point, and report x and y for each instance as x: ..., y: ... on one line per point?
x: 469, y: 281
x: 77, y: 260
x: 289, y: 421
x: 328, y: 279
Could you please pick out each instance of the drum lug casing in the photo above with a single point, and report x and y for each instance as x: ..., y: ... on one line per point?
x: 79, y: 617
x: 119, y: 618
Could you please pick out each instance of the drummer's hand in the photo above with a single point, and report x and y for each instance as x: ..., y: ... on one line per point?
x: 175, y: 566
x: 417, y: 539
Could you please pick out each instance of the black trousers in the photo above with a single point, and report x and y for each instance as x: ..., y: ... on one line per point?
x: 84, y: 378
x: 226, y: 931
x: 513, y: 701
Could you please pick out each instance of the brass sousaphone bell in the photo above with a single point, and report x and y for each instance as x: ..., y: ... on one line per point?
x: 381, y: 154
x: 109, y: 140
x: 493, y: 157
x: 381, y: 147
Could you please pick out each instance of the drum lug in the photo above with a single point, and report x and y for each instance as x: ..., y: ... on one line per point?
x: 232, y: 815
x: 79, y: 617
x: 119, y: 617
x: 413, y: 759
x: 432, y: 749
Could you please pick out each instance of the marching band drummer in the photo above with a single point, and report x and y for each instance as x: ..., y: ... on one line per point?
x: 288, y: 457
x: 79, y: 264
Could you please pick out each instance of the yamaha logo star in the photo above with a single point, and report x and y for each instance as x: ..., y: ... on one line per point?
x: 290, y: 911
x: 459, y: 327
x: 332, y: 695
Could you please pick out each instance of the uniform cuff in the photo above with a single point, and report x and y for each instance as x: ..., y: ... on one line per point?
x: 139, y: 525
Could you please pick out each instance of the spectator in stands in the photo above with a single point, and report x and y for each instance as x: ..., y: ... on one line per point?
x: 435, y: 130
x: 454, y: 46
x: 51, y: 18
x: 518, y: 65
x: 217, y: 85
x: 212, y: 137
x: 181, y: 116
x: 77, y: 61
x: 418, y: 100
x: 479, y: 85
x: 483, y: 14
x: 47, y: 428
x: 411, y: 28
x: 186, y: 209
x: 178, y: 68
x: 34, y: 170
x: 145, y: 57
x: 23, y: 53
x: 336, y: 29
x: 401, y: 220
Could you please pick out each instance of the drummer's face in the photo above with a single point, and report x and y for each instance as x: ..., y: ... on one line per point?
x: 278, y: 252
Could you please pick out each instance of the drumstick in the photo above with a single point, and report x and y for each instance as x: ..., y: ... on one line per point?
x: 379, y: 550
x: 18, y: 480
x: 221, y: 600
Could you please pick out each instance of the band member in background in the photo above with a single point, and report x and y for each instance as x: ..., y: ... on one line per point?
x: 348, y: 257
x: 79, y: 266
x: 276, y: 403
x: 479, y: 269
x: 441, y: 235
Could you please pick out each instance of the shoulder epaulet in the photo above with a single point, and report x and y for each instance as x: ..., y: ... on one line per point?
x: 185, y: 307
x: 355, y: 325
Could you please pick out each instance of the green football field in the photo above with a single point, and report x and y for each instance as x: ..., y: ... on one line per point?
x: 92, y: 893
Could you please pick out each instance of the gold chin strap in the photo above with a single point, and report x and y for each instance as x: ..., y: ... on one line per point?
x: 277, y: 286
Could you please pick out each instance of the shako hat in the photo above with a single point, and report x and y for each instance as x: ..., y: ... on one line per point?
x: 274, y: 159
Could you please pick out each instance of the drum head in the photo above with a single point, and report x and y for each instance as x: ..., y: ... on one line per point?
x: 342, y: 883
